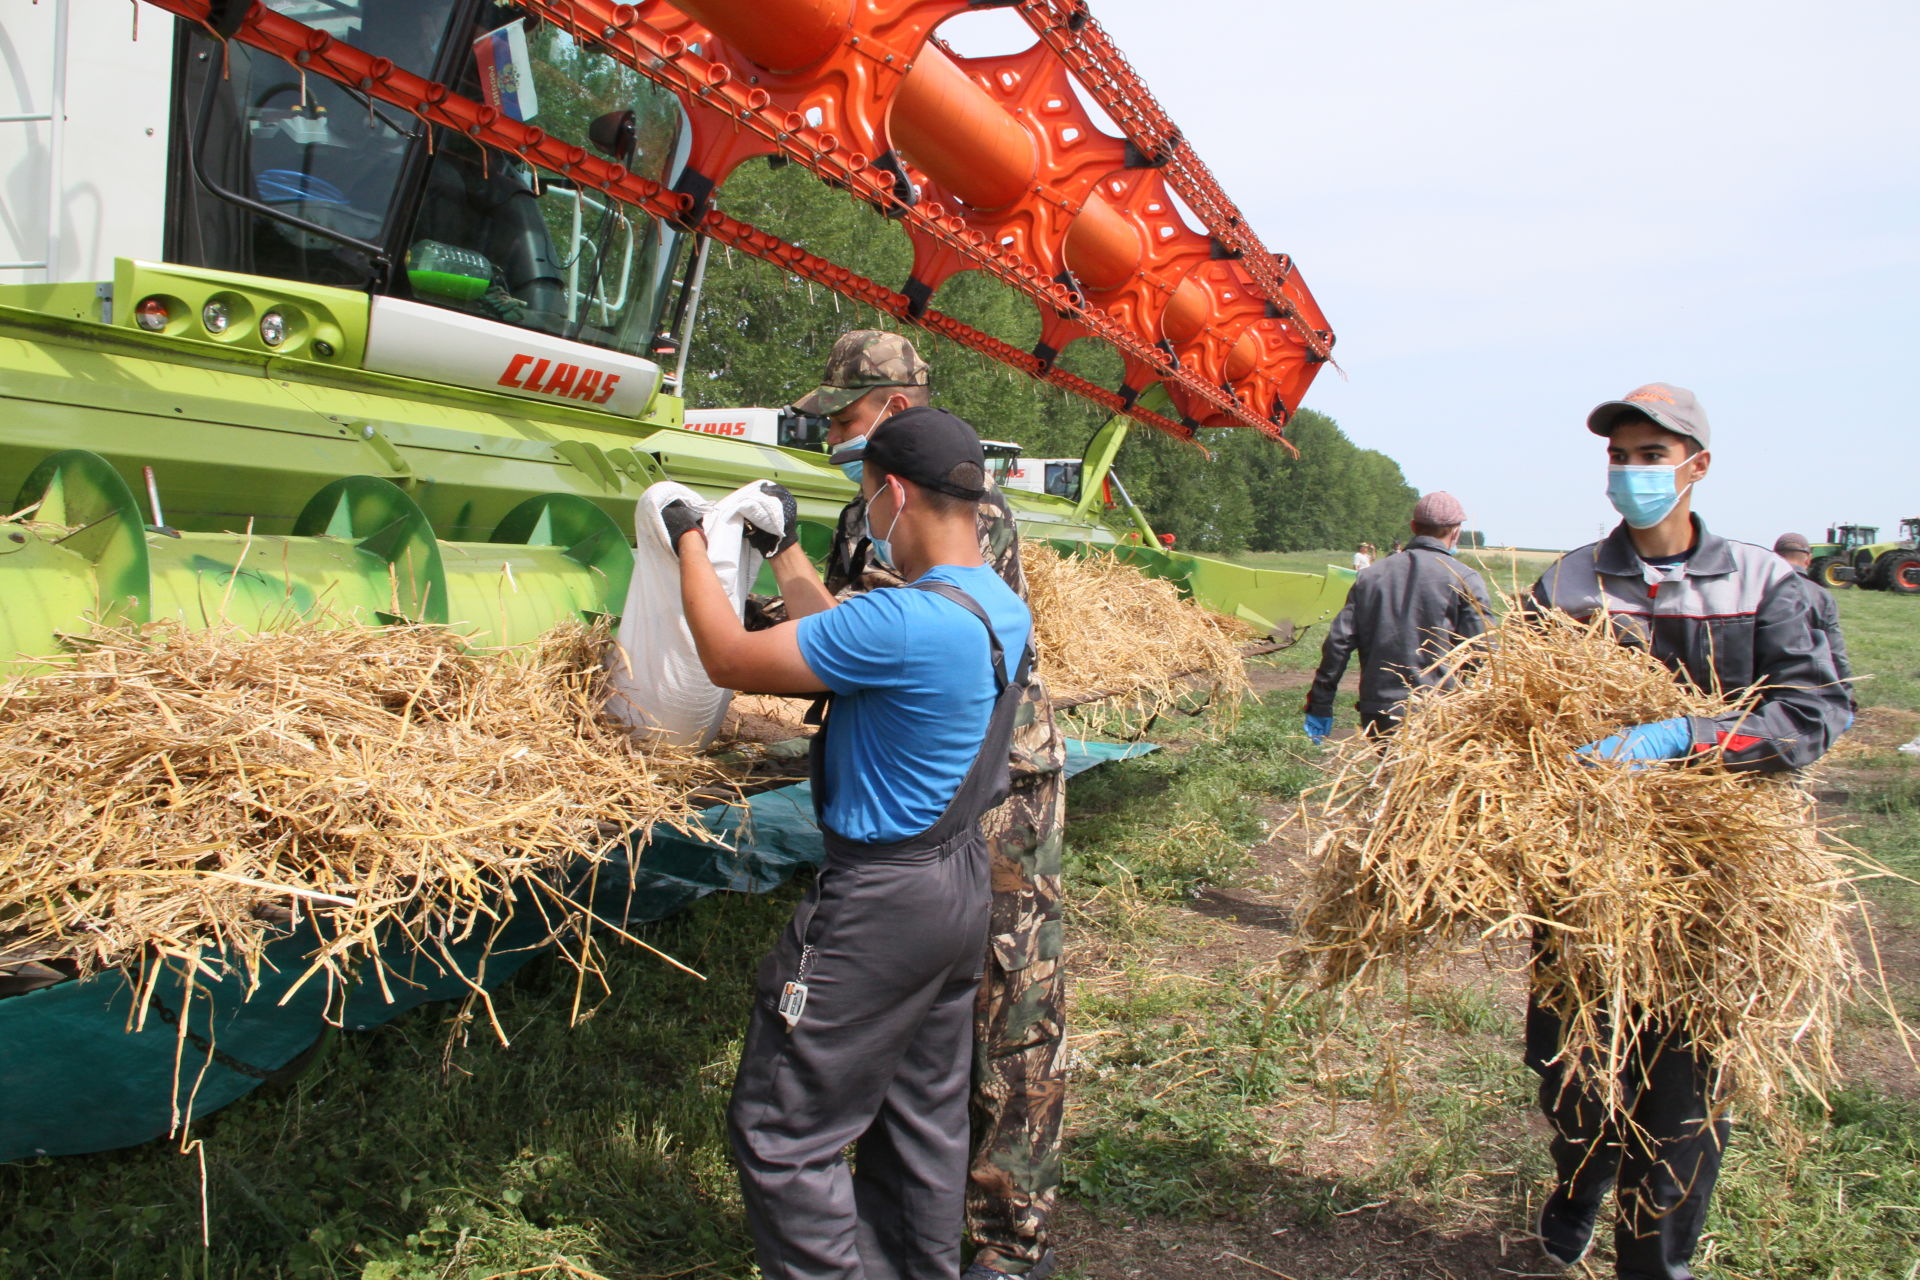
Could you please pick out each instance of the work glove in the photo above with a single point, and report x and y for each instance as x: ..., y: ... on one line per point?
x: 1661, y: 740
x: 768, y: 543
x: 679, y: 516
x: 1318, y: 727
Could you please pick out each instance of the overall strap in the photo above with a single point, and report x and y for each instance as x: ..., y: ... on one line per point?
x: 985, y: 783
x: 972, y: 606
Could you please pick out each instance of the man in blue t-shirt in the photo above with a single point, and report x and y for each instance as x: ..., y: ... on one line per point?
x: 861, y: 1031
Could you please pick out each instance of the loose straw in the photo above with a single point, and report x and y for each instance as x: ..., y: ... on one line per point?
x: 1681, y: 899
x: 1105, y: 631
x: 169, y: 795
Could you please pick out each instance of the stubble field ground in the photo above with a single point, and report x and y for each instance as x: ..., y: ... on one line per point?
x: 1225, y: 1120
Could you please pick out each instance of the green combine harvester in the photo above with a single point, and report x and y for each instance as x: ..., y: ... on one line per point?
x: 272, y: 350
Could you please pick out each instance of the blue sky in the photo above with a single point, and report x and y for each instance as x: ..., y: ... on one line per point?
x: 1513, y: 211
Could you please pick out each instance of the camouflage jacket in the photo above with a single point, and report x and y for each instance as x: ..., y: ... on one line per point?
x: 1038, y: 749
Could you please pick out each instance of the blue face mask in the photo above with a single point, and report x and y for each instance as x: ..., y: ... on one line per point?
x: 856, y: 446
x: 1644, y: 496
x: 882, y: 547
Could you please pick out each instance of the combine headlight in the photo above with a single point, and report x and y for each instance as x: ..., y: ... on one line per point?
x: 216, y: 316
x: 273, y: 328
x: 151, y: 314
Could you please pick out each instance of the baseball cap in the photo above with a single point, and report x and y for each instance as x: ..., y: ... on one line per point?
x: 1667, y: 405
x: 1787, y: 542
x: 1439, y: 508
x: 860, y: 361
x: 933, y: 448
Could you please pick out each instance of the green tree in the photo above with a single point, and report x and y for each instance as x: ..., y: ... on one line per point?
x: 762, y: 336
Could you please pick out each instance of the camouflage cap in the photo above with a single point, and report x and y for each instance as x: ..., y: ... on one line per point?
x: 860, y: 361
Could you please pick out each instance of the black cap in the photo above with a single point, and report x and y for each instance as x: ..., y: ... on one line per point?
x: 933, y: 448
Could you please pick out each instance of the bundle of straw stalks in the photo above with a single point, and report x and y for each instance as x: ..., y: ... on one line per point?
x: 1104, y: 631
x: 177, y: 795
x: 1678, y: 898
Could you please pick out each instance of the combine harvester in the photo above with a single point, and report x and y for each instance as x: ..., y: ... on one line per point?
x: 382, y: 306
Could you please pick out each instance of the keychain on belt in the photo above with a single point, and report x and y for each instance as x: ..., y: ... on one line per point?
x: 793, y: 996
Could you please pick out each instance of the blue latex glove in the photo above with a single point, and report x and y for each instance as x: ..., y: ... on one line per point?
x: 1318, y: 727
x: 1661, y: 740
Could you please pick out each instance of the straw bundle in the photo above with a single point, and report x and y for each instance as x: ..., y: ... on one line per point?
x: 169, y: 790
x: 1104, y: 630
x: 1678, y: 897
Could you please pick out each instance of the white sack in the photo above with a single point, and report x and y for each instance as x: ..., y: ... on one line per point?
x: 658, y: 682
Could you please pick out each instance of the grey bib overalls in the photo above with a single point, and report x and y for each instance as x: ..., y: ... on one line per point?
x: 888, y: 946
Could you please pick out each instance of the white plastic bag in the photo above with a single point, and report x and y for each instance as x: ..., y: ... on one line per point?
x: 658, y: 683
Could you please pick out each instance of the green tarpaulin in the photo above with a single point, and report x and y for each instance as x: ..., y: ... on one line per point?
x: 74, y: 1079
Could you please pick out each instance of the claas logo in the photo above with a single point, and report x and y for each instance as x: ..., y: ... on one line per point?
x: 719, y: 428
x: 561, y: 381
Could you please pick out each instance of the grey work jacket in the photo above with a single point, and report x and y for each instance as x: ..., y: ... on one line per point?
x: 1734, y: 619
x: 1402, y: 614
x: 1826, y: 621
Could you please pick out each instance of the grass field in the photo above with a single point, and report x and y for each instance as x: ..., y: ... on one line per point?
x: 1224, y: 1121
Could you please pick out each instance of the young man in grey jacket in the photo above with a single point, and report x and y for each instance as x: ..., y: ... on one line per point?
x: 1402, y: 613
x: 1718, y: 614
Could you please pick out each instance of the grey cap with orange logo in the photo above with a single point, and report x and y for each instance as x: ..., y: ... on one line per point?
x: 860, y: 361
x: 1674, y: 408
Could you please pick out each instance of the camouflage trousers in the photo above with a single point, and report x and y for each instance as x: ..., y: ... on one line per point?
x: 1020, y: 1037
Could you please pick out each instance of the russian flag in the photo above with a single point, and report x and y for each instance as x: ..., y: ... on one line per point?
x: 506, y: 72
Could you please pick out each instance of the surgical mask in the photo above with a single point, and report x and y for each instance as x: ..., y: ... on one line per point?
x: 1644, y: 496
x: 852, y: 469
x: 882, y: 547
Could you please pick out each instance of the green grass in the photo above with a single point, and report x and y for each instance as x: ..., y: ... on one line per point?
x: 1208, y: 1085
x: 1881, y: 628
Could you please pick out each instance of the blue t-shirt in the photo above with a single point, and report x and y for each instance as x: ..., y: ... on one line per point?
x: 912, y: 676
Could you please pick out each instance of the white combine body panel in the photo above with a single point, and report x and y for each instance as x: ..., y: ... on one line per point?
x: 84, y: 110
x: 1059, y: 477
x: 781, y: 427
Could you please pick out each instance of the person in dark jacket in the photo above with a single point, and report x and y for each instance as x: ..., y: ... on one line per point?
x: 1402, y: 614
x: 1796, y: 551
x: 1718, y: 614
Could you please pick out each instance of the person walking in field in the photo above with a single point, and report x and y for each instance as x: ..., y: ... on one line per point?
x: 1401, y: 614
x: 1796, y: 551
x: 1719, y: 614
x: 1020, y: 1045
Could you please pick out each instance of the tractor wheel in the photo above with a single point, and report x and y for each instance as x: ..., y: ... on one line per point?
x: 1866, y: 573
x: 1822, y: 571
x: 1903, y: 575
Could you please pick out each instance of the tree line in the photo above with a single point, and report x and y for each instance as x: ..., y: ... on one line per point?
x: 762, y: 336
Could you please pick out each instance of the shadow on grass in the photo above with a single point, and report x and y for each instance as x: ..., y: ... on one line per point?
x: 1216, y: 905
x: 1182, y: 1208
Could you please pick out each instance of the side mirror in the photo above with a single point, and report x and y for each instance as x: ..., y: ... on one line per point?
x: 613, y: 134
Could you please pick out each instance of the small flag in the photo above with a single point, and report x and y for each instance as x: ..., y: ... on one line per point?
x: 506, y: 72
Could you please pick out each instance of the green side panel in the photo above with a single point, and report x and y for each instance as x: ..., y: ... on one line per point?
x: 1098, y: 460
x: 1269, y: 600
x: 323, y: 324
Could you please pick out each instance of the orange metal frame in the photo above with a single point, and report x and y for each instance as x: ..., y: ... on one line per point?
x: 990, y: 164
